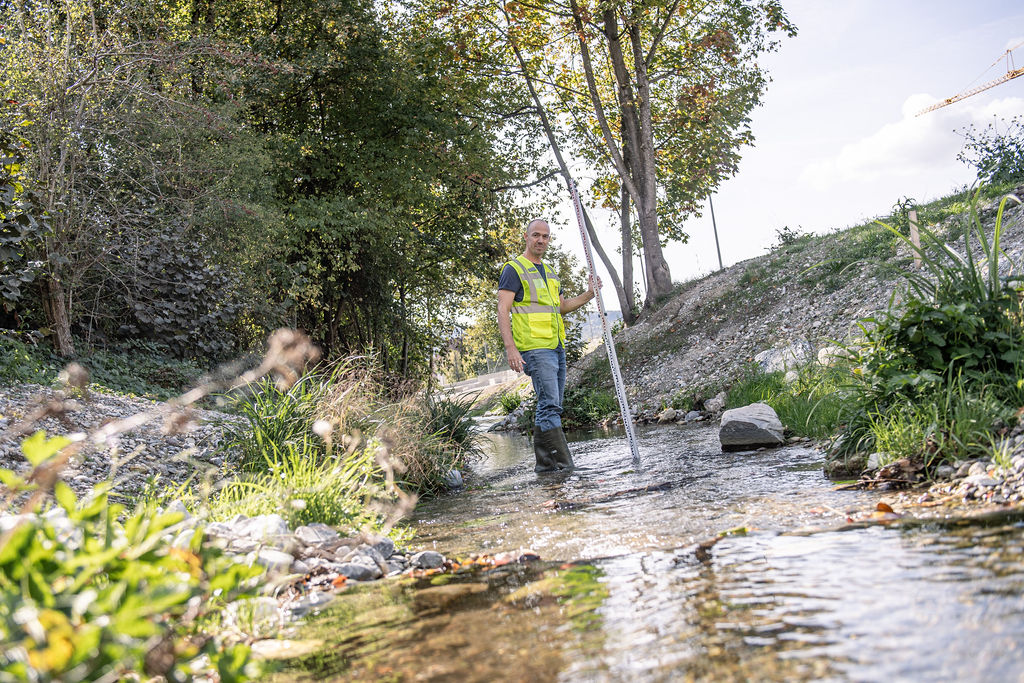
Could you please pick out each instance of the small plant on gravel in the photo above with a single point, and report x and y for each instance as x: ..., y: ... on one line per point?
x: 90, y: 592
x: 509, y: 401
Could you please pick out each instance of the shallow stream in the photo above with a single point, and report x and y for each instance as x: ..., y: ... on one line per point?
x: 629, y: 588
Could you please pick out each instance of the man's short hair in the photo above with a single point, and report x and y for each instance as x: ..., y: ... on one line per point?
x: 529, y: 226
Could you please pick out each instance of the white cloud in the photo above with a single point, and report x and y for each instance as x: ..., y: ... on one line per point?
x: 913, y: 145
x: 1014, y: 43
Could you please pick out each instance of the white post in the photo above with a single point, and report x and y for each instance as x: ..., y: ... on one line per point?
x: 915, y: 237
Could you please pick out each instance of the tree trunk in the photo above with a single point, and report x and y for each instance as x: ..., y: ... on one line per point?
x: 628, y: 313
x: 55, y: 307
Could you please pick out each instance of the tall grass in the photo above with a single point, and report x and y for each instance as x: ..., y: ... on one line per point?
x: 811, y: 406
x: 303, y: 488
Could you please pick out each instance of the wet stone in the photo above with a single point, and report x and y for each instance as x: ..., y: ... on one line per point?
x: 357, y: 572
x: 427, y: 559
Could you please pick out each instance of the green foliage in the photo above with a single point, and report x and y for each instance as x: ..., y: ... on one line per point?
x: 997, y: 155
x: 304, y: 485
x: 450, y: 441
x: 94, y: 593
x: 23, y: 361
x: 692, y: 398
x: 943, y: 368
x: 900, y: 217
x: 136, y: 367
x: 23, y: 223
x: 509, y: 401
x: 585, y: 407
x: 276, y: 420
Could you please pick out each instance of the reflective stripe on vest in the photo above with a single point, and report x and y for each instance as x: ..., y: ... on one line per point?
x: 536, y: 321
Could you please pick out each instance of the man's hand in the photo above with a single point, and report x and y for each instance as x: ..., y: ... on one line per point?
x: 515, y: 359
x: 594, y: 286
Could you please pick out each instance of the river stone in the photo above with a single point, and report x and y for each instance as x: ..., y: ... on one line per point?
x: 274, y: 560
x: 383, y: 545
x: 443, y: 597
x: 357, y: 571
x: 316, y: 534
x: 977, y: 468
x: 692, y: 416
x: 715, y: 404
x: 667, y: 415
x: 427, y: 559
x: 981, y: 480
x: 262, y: 527
x: 750, y: 427
x: 452, y: 479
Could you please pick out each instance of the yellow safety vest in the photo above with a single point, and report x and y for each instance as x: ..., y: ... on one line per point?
x: 536, y: 322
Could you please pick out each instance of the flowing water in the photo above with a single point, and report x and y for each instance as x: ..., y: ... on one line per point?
x: 628, y: 589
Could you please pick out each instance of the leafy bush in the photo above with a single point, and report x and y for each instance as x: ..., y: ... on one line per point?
x: 997, y: 156
x: 509, y: 401
x: 21, y: 361
x: 584, y: 407
x: 304, y: 486
x: 137, y: 367
x: 424, y: 440
x: 91, y: 593
x: 951, y: 354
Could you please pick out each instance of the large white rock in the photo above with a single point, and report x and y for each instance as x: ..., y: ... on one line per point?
x: 750, y: 427
x: 795, y: 355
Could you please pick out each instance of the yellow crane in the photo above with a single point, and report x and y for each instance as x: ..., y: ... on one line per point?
x: 1011, y: 73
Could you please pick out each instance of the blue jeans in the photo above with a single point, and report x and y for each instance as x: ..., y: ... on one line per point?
x: 546, y: 367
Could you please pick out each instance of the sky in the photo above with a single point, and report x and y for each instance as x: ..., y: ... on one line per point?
x: 837, y: 139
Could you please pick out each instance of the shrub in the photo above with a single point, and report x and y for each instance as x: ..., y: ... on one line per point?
x: 930, y: 371
x: 509, y: 401
x: 447, y: 440
x: 997, y: 156
x: 93, y: 593
x: 585, y: 407
x: 304, y: 487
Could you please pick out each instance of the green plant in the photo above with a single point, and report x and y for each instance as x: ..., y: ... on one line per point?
x: 449, y: 441
x: 275, y: 419
x: 936, y: 375
x: 900, y: 216
x: 304, y: 486
x: 509, y: 401
x: 810, y: 406
x: 585, y: 407
x: 997, y: 156
x: 94, y: 593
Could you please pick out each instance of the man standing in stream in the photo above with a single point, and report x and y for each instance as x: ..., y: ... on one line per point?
x: 530, y: 310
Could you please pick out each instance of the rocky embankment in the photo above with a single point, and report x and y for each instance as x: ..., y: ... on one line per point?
x: 806, y: 294
x: 167, y: 451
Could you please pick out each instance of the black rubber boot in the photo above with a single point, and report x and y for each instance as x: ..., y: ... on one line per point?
x: 563, y: 457
x: 544, y: 449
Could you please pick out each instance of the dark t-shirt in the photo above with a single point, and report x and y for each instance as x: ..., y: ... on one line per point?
x: 510, y: 280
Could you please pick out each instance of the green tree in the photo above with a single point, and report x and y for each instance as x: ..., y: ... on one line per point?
x: 656, y: 93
